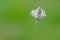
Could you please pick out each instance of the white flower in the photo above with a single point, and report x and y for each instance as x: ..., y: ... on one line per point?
x: 38, y: 13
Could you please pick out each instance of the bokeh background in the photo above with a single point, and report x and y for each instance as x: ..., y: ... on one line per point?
x: 17, y: 24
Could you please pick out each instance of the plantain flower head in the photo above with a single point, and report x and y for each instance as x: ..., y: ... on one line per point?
x: 38, y: 13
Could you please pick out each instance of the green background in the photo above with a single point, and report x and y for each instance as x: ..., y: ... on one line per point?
x: 17, y: 24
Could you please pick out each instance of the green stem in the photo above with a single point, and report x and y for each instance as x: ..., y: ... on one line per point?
x: 36, y: 30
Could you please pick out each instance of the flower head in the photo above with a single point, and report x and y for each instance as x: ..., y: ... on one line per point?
x: 38, y: 13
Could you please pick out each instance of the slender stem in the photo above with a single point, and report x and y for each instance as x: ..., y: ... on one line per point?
x: 35, y: 30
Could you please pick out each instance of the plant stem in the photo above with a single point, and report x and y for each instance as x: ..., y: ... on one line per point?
x: 36, y: 30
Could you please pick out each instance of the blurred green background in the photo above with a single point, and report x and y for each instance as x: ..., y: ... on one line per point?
x: 17, y: 24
